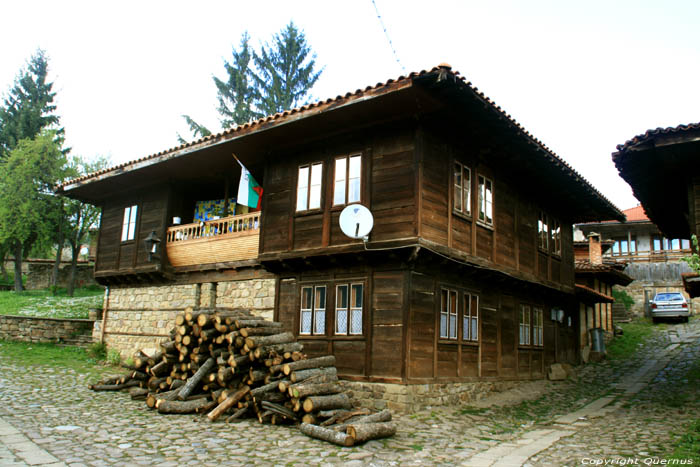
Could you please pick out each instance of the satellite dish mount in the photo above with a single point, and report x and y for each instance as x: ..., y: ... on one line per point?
x: 356, y: 221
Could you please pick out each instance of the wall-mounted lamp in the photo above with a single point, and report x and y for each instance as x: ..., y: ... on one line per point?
x: 152, y: 246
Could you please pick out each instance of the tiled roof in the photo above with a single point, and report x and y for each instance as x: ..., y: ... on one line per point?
x: 310, y: 109
x: 585, y: 292
x: 636, y: 214
x: 656, y: 132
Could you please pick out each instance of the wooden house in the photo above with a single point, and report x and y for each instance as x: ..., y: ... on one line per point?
x: 471, y: 250
x: 661, y: 167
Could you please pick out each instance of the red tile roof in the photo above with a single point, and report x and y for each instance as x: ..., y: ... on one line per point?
x: 320, y: 106
x: 636, y: 214
x: 656, y: 132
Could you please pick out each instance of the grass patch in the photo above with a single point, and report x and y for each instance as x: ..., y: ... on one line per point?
x: 634, y: 334
x: 687, y: 445
x: 472, y: 410
x: 44, y: 304
x: 417, y: 447
x: 39, y: 354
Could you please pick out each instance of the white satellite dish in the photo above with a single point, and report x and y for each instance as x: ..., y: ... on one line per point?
x: 356, y: 221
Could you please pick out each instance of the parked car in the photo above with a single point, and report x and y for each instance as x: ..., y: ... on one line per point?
x: 669, y: 305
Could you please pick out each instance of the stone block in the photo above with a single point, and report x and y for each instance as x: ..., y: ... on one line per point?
x: 556, y: 372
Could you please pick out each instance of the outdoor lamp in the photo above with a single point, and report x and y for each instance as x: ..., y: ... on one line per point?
x: 152, y: 242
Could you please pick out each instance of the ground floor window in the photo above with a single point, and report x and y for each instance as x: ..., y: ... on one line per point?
x: 448, y: 314
x: 348, y: 309
x: 344, y: 309
x: 470, y: 318
x: 524, y: 321
x: 538, y: 327
x: 313, y: 310
x: 458, y: 306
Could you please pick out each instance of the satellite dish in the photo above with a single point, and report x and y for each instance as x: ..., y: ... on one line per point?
x: 356, y: 221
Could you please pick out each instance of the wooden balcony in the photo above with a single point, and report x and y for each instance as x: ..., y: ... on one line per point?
x: 224, y: 240
x: 656, y: 256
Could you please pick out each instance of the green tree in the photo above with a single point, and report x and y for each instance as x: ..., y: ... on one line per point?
x: 197, y: 130
x: 28, y: 107
x: 285, y: 71
x: 27, y: 203
x: 236, y: 91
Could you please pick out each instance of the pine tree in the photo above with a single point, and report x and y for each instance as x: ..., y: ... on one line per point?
x: 286, y: 71
x: 28, y: 108
x: 236, y: 92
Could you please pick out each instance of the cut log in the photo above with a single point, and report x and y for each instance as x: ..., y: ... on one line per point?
x: 362, y: 432
x: 139, y: 376
x: 138, y: 393
x: 256, y: 323
x: 237, y: 414
x: 299, y: 376
x: 383, y: 416
x: 341, y: 416
x: 114, y: 387
x: 319, y: 432
x: 261, y: 331
x: 262, y: 352
x: 160, y: 369
x: 224, y: 374
x: 279, y: 409
x: 314, y: 389
x: 228, y: 403
x: 318, y: 362
x: 190, y: 406
x: 195, y: 379
x: 335, y: 401
x: 168, y: 346
x: 261, y: 341
x: 257, y: 392
x: 309, y: 418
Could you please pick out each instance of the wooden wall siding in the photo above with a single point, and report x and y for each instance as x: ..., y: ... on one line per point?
x: 509, y: 336
x: 461, y: 234
x: 536, y: 368
x: 387, y: 319
x: 523, y: 363
x: 550, y: 341
x: 287, y: 304
x: 349, y: 357
x: 566, y: 273
x: 421, y: 327
x: 505, y: 207
x: 470, y: 361
x: 276, y: 220
x: 393, y: 188
x: 542, y: 265
x: 435, y: 191
x: 308, y: 230
x: 447, y: 360
x: 527, y: 248
x: 484, y: 242
x: 110, y: 235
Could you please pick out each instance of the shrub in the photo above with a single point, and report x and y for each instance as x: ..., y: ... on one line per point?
x: 114, y: 357
x: 98, y: 351
x: 623, y: 297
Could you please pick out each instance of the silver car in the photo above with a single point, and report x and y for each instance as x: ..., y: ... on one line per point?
x: 669, y: 305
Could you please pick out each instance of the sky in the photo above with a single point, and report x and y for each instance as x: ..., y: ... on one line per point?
x: 582, y: 77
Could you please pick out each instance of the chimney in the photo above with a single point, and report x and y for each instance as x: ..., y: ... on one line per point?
x: 595, y: 250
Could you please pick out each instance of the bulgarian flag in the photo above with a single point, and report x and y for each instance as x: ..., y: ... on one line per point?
x: 249, y: 191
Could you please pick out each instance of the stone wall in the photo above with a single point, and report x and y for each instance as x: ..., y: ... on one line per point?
x: 407, y: 398
x: 39, y: 275
x: 655, y: 278
x: 57, y: 330
x: 139, y: 317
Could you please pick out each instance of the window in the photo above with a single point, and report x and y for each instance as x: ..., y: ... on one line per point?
x: 538, y: 327
x: 448, y: 314
x: 462, y: 201
x: 309, y: 187
x: 556, y: 237
x: 470, y: 318
x: 129, y: 224
x: 524, y: 325
x: 543, y: 232
x: 485, y: 200
x: 624, y: 246
x: 348, y: 171
x: 313, y: 310
x: 348, y: 309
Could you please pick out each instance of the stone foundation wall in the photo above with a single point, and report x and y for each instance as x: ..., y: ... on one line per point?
x: 139, y: 317
x: 407, y: 398
x: 56, y: 330
x: 39, y: 275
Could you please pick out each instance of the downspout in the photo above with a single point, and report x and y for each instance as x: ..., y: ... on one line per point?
x: 105, y: 310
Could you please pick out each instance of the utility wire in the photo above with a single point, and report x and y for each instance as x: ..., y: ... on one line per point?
x: 386, y: 33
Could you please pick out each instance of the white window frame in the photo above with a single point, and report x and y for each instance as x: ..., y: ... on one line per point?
x: 556, y: 237
x: 448, y: 314
x: 538, y: 326
x: 543, y: 231
x: 485, y: 200
x: 129, y: 223
x: 309, y: 194
x: 470, y: 318
x: 524, y: 323
x: 316, y: 311
x: 343, y: 180
x: 462, y: 200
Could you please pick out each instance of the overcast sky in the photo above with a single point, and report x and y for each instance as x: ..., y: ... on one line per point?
x: 580, y: 76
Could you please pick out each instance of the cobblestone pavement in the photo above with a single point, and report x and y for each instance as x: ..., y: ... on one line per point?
x: 49, y: 417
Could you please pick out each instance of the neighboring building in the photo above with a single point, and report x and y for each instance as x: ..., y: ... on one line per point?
x: 661, y: 166
x: 595, y: 277
x: 470, y: 252
x: 648, y: 257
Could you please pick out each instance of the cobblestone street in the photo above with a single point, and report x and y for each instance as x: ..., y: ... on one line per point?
x: 621, y: 409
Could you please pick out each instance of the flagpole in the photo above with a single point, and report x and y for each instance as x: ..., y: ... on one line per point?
x: 237, y: 160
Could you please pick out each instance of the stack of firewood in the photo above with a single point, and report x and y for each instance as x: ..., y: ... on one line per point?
x: 231, y: 362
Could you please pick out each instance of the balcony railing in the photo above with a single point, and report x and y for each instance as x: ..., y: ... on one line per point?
x: 229, y: 239
x: 657, y: 256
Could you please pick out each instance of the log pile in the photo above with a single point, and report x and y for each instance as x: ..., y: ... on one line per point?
x: 230, y: 362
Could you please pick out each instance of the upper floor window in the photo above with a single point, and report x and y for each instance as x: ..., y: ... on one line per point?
x: 663, y: 243
x: 556, y: 237
x: 625, y: 246
x: 313, y: 310
x: 348, y: 178
x: 309, y: 186
x: 462, y: 189
x: 543, y: 232
x: 485, y: 200
x: 129, y: 224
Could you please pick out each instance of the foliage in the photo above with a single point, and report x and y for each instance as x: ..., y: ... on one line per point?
x: 43, y: 303
x: 277, y: 78
x: 286, y: 71
x: 51, y: 355
x: 97, y: 350
x: 623, y: 297
x: 28, y: 208
x: 687, y: 445
x: 694, y: 259
x: 28, y: 107
x: 114, y: 357
x: 634, y: 334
